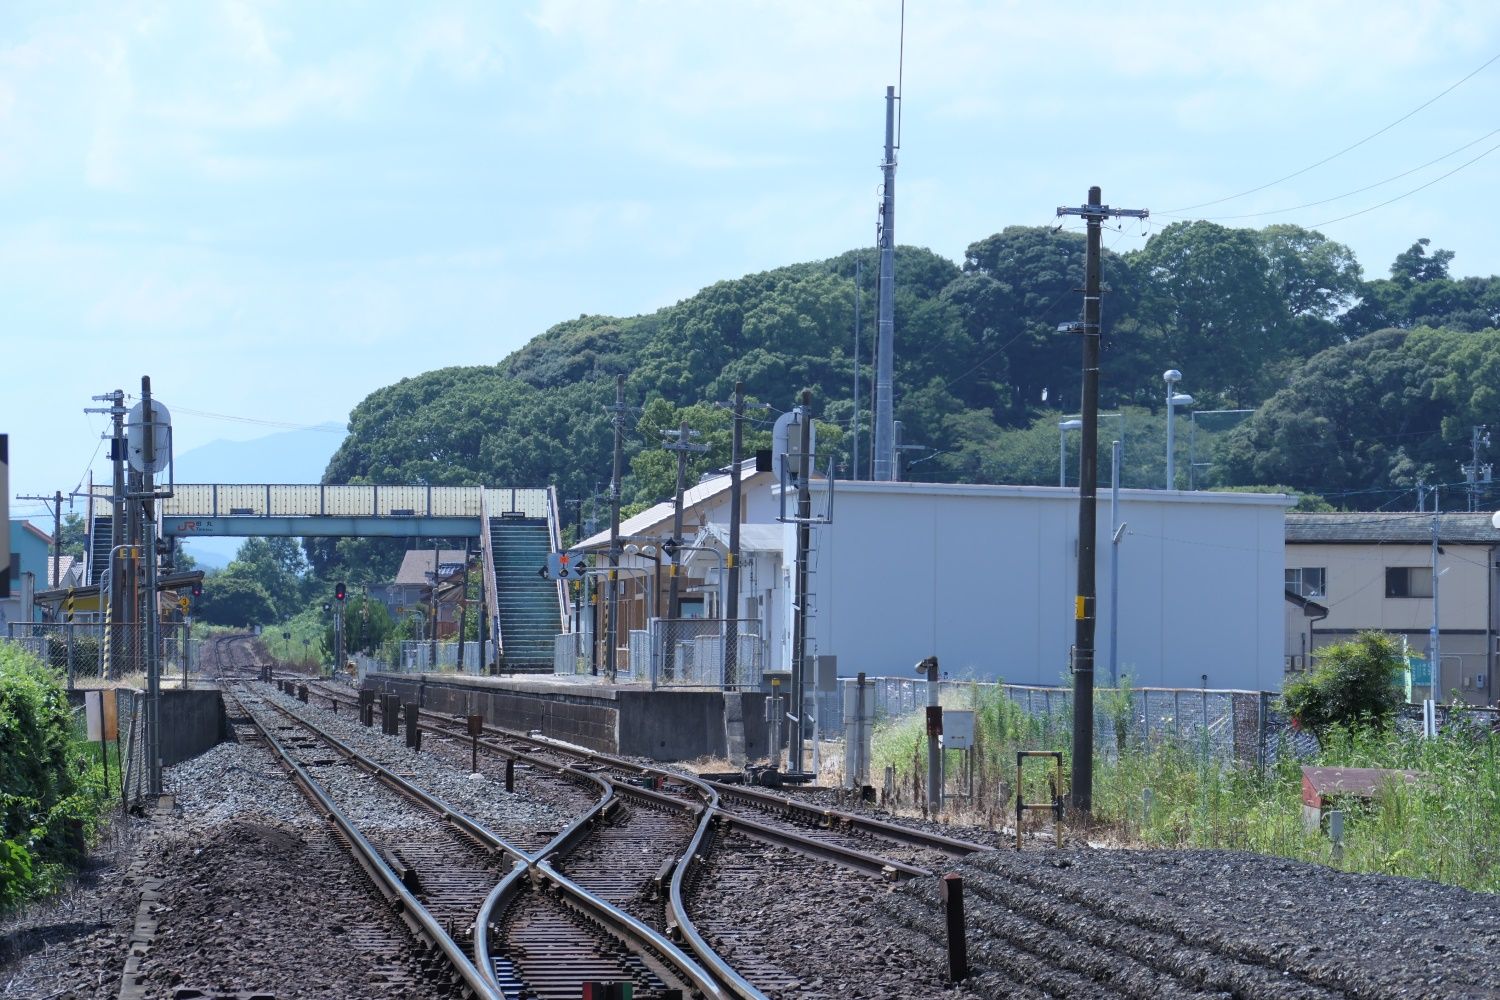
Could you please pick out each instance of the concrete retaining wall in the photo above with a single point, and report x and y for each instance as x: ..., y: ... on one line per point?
x: 661, y: 725
x: 192, y: 722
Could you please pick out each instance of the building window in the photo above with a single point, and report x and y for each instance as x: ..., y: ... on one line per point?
x: 1306, y: 582
x: 1408, y: 581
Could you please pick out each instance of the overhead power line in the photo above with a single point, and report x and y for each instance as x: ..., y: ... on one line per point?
x: 1407, y: 194
x: 1349, y: 148
x: 326, y: 428
x: 1350, y: 194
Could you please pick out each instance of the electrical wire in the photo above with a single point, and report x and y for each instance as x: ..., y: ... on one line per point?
x: 1346, y: 194
x: 257, y: 420
x: 1327, y: 159
x: 1407, y: 194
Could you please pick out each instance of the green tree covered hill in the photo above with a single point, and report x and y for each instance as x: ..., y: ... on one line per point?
x: 1358, y: 386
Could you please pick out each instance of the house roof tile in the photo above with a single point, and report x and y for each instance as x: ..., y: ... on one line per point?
x: 1453, y: 529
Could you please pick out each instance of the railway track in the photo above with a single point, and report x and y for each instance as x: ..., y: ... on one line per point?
x: 608, y: 896
x: 861, y: 842
x: 546, y: 930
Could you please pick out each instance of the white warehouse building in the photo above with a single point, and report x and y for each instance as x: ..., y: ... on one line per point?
x: 984, y: 578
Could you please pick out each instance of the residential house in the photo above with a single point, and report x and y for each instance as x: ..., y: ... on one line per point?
x: 1379, y: 571
x: 30, y: 564
x: 410, y: 593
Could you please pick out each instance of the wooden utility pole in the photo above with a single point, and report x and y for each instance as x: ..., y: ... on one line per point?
x: 1084, y: 614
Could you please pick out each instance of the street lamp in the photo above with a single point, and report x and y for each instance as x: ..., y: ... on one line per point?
x: 1174, y: 399
x: 1063, y: 426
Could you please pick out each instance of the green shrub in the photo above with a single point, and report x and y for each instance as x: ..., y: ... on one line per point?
x: 1354, y: 684
x: 49, y: 794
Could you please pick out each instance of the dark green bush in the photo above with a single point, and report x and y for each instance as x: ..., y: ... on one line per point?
x: 1353, y: 684
x: 44, y: 808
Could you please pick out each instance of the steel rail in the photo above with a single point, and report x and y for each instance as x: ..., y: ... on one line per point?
x: 951, y: 846
x: 639, y: 936
x: 391, y: 887
x: 712, y: 791
x: 720, y: 969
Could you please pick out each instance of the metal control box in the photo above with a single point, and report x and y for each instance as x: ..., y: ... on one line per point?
x: 958, y: 729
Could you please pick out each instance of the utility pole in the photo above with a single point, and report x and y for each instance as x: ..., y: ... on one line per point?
x: 885, y: 432
x: 463, y: 608
x: 679, y: 441
x: 113, y: 583
x: 1435, y: 685
x: 436, y: 576
x: 152, y: 618
x: 1474, y: 473
x: 612, y: 615
x: 1084, y: 611
x: 54, y: 507
x: 732, y: 599
x: 804, y: 543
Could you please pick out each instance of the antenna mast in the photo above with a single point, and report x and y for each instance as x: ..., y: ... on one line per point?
x: 885, y: 430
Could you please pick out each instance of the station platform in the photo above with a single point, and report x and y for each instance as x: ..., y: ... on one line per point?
x: 674, y: 724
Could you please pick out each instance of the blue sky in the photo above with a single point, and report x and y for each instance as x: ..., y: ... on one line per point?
x: 276, y: 208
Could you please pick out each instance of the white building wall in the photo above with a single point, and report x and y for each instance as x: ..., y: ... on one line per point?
x: 984, y: 577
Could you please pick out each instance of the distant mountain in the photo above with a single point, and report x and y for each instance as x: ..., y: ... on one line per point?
x: 284, y: 457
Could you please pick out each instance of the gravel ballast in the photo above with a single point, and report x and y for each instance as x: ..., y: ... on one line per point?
x: 1208, y: 923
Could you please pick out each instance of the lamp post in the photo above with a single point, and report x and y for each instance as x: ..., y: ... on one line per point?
x: 1174, y: 399
x: 1063, y: 426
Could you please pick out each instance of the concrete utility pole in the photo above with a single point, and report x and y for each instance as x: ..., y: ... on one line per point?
x: 463, y: 608
x: 885, y: 431
x: 153, y: 608
x: 54, y: 507
x: 116, y: 609
x: 1474, y: 473
x: 679, y: 441
x: 1435, y: 637
x: 436, y: 576
x: 617, y: 413
x: 804, y: 544
x: 1084, y: 612
x: 732, y: 598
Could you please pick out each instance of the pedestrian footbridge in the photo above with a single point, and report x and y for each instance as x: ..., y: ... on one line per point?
x: 515, y: 527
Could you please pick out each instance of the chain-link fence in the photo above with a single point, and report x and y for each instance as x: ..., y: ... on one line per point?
x: 1225, y: 725
x: 691, y: 652
x: 92, y: 651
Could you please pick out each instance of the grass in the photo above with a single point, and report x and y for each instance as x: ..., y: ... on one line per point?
x: 1442, y: 828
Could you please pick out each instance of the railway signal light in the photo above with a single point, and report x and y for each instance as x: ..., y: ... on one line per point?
x: 198, y: 589
x: 339, y: 592
x: 563, y: 566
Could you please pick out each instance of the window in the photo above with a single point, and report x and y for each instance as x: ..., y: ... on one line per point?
x: 1408, y: 581
x: 1307, y: 582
